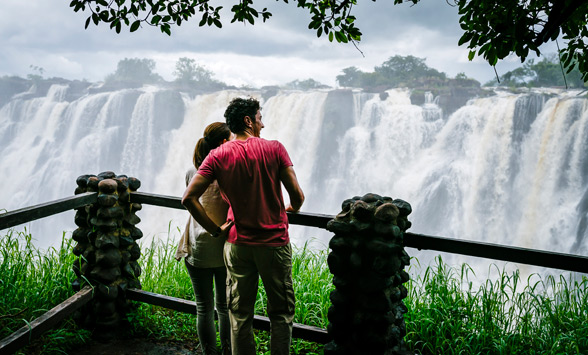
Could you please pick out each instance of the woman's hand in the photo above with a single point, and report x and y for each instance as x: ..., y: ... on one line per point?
x: 225, y: 229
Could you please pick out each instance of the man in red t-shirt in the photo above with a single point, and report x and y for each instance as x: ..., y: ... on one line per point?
x: 250, y: 172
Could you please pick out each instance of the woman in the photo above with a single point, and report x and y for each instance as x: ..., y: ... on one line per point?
x: 203, y: 252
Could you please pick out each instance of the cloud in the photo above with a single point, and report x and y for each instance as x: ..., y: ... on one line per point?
x: 50, y: 35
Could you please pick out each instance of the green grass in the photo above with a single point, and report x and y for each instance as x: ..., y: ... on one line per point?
x: 447, y: 313
x: 31, y: 283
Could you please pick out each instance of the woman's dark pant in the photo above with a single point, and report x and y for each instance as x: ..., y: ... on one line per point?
x: 202, y: 280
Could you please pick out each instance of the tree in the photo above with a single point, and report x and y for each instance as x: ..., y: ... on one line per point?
x: 134, y: 71
x: 351, y: 77
x: 36, y: 77
x: 546, y: 72
x: 307, y: 84
x: 497, y: 28
x: 493, y: 29
x: 403, y: 69
x: 188, y: 71
x: 397, y: 71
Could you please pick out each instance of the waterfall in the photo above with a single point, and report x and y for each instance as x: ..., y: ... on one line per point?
x: 508, y: 168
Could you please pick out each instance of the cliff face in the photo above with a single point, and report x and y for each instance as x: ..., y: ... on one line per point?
x: 449, y: 99
x: 28, y: 89
x: 451, y: 94
x: 10, y: 86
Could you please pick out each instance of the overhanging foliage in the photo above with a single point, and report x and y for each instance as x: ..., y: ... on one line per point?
x: 493, y: 29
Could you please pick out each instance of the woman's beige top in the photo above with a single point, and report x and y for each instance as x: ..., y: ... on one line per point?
x: 198, y: 246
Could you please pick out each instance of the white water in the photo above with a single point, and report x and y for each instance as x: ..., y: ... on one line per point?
x: 507, y: 169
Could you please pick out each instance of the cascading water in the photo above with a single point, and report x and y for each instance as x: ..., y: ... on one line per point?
x: 508, y: 169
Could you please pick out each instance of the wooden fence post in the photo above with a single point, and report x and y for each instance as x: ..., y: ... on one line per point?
x: 367, y: 261
x: 107, y: 251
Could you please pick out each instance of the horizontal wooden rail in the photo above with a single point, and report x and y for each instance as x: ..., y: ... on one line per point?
x: 23, y: 215
x: 34, y: 329
x: 157, y: 200
x: 535, y: 257
x: 542, y: 258
x: 301, y: 218
x: 300, y: 331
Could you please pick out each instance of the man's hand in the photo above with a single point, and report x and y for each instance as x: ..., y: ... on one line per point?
x: 291, y: 209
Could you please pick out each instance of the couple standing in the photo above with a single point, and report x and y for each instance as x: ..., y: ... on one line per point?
x: 236, y: 195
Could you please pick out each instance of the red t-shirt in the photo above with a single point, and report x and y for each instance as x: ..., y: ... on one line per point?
x: 248, y: 173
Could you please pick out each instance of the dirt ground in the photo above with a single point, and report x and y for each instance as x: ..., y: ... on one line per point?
x: 138, y: 347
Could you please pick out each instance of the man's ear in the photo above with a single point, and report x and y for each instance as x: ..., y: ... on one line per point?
x: 248, y: 121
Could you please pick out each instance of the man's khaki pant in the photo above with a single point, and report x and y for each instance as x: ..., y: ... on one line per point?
x: 244, y: 265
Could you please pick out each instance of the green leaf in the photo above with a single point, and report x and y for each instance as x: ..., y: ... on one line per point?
x: 204, y: 18
x: 88, y: 22
x: 319, y: 32
x: 217, y: 23
x: 491, y: 56
x: 103, y: 16
x: 471, y: 55
x: 485, y: 48
x: 464, y: 38
x: 330, y: 36
x: 135, y: 26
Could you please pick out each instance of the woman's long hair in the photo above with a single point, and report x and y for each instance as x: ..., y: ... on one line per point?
x: 213, y: 136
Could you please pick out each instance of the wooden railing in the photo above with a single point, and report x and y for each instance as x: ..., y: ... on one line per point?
x: 34, y: 329
x: 549, y: 259
x: 24, y: 335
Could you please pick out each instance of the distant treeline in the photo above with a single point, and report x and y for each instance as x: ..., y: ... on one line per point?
x: 412, y: 72
x: 401, y: 71
x: 397, y: 71
x: 546, y: 73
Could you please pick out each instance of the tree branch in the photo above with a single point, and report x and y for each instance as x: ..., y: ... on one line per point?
x: 558, y: 14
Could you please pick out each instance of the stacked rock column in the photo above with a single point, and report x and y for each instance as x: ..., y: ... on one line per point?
x: 367, y: 261
x: 107, y: 250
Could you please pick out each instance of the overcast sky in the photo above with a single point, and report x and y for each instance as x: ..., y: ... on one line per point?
x: 48, y: 34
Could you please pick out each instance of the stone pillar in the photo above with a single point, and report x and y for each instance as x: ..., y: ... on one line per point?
x: 367, y: 261
x: 106, y: 250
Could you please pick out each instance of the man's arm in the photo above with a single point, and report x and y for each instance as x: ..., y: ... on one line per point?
x: 288, y: 178
x: 191, y: 200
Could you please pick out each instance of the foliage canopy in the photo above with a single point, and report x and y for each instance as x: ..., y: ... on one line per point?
x: 493, y: 29
x: 134, y: 71
x: 401, y: 71
x: 544, y: 73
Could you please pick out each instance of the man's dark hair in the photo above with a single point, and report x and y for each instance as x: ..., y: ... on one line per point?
x: 237, y: 110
